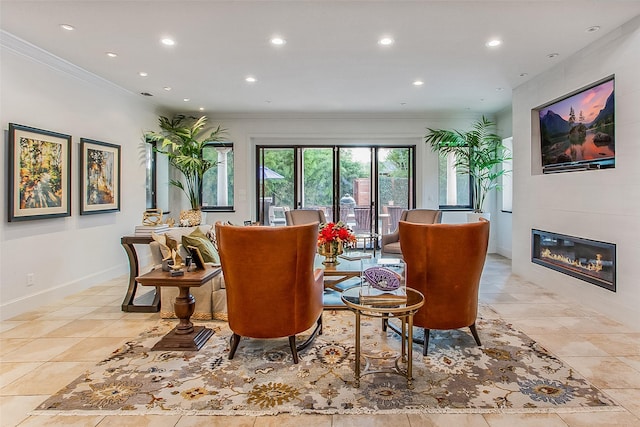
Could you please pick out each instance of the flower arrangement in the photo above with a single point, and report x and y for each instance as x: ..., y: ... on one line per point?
x: 335, y: 233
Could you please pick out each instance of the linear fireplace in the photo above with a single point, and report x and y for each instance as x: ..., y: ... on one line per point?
x: 589, y: 260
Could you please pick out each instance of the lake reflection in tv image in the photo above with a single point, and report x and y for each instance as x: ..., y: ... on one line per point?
x: 580, y: 127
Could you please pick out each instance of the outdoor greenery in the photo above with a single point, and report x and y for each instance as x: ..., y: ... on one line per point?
x: 478, y: 153
x: 181, y: 141
x: 318, y: 178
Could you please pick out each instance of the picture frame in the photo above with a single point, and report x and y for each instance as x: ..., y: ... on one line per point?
x: 197, y: 257
x: 39, y: 181
x: 99, y: 177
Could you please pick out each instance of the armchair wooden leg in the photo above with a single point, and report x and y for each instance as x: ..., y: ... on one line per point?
x: 235, y: 340
x: 294, y: 351
x: 474, y: 332
x: 426, y: 341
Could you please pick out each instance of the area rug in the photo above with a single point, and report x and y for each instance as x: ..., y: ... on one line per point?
x: 509, y: 373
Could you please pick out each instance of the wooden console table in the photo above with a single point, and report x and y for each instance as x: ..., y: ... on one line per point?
x: 185, y: 336
x: 150, y: 302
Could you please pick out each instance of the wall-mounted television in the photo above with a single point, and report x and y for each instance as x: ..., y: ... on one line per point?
x: 577, y: 131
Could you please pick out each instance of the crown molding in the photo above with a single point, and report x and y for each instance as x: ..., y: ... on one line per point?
x: 32, y: 52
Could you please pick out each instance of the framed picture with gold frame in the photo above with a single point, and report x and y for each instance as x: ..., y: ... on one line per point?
x: 99, y: 177
x: 39, y: 173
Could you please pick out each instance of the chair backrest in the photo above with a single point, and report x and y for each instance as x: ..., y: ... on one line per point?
x: 395, y: 215
x: 422, y: 216
x: 277, y: 215
x: 305, y: 216
x: 269, y: 277
x: 445, y: 262
x: 362, y: 216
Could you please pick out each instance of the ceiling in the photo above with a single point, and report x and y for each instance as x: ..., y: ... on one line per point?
x: 331, y: 62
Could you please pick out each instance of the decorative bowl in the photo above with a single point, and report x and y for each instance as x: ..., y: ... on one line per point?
x: 382, y: 278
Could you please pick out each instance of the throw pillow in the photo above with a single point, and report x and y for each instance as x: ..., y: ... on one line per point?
x: 162, y: 242
x: 198, y: 239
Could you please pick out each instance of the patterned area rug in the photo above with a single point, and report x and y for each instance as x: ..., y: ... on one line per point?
x: 509, y: 373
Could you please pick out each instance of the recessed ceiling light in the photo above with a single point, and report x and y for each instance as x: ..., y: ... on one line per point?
x: 167, y: 41
x: 593, y: 29
x: 250, y: 79
x: 403, y: 103
x: 111, y: 54
x: 201, y: 108
x: 499, y: 89
x: 524, y: 74
x: 552, y: 55
x: 186, y: 99
x: 493, y: 43
x: 142, y: 74
x: 278, y: 41
x: 67, y: 27
x: 145, y: 94
x: 385, y: 41
x: 268, y: 101
x: 418, y: 83
x: 167, y: 88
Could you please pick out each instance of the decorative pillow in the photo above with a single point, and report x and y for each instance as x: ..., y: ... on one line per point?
x: 200, y: 240
x: 162, y: 242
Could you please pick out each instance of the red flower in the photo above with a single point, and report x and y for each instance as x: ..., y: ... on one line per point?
x: 335, y: 232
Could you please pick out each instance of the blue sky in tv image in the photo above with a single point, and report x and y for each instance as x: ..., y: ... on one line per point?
x: 580, y: 128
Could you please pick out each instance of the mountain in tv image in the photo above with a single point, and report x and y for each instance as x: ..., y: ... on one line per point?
x: 577, y: 138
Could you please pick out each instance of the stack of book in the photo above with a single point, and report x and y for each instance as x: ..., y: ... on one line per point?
x: 372, y: 296
x: 146, y: 230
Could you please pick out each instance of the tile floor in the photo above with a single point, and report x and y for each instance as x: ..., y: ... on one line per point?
x: 45, y: 349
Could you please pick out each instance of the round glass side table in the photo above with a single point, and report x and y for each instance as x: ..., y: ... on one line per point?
x: 387, y: 306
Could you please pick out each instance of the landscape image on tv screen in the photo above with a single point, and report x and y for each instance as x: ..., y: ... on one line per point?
x: 580, y: 128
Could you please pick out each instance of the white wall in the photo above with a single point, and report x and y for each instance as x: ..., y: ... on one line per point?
x: 71, y: 253
x: 601, y: 205
x: 503, y: 221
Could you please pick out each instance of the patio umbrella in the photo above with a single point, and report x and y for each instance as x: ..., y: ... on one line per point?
x: 267, y: 173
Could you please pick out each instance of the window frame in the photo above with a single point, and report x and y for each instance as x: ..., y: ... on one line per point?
x: 458, y: 207
x: 226, y: 208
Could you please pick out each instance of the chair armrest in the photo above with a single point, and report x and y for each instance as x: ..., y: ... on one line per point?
x: 318, y: 276
x: 390, y: 238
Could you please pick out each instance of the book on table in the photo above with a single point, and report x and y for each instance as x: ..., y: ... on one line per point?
x: 146, y: 230
x: 370, y: 295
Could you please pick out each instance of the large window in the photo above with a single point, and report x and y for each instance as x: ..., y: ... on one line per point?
x: 454, y: 187
x: 217, y: 184
x: 366, y: 187
x: 157, y: 179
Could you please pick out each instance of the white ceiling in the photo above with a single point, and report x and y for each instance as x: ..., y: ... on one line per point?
x: 331, y: 61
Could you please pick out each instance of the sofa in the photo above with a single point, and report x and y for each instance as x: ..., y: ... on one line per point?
x: 211, y: 298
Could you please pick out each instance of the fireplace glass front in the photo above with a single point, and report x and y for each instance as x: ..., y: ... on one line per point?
x: 589, y: 260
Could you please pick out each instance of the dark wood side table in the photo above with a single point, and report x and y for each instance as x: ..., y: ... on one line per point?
x: 185, y: 336
x: 149, y: 303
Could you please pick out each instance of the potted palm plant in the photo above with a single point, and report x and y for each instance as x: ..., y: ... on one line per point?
x: 478, y: 152
x: 181, y: 140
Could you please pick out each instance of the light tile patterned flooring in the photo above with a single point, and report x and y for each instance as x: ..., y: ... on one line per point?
x: 45, y: 349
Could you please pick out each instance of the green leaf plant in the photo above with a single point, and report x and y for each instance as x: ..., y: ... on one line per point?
x: 181, y: 141
x: 478, y: 152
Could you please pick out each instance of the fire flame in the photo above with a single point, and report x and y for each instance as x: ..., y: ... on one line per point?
x: 597, y: 266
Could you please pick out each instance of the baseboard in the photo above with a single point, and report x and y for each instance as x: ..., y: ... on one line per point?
x: 27, y: 303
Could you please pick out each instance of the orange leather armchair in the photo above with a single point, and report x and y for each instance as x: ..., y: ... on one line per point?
x: 305, y: 216
x: 272, y: 288
x: 391, y: 242
x: 445, y: 262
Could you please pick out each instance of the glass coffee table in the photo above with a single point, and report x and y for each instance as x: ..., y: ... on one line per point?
x: 385, y: 310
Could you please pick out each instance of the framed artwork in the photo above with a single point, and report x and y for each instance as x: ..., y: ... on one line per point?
x: 39, y: 173
x: 99, y: 177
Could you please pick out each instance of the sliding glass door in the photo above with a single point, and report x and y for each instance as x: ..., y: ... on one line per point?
x: 366, y: 187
